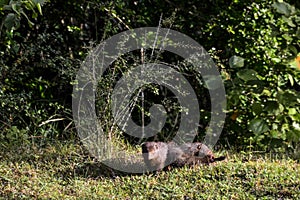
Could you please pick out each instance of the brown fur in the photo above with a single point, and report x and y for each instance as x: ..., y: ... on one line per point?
x: 159, y: 154
x: 155, y: 155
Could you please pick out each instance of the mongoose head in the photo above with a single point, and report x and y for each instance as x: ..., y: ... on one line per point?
x: 205, y: 153
x: 150, y: 149
x: 155, y: 154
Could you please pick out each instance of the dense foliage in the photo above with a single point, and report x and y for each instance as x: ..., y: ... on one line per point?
x: 256, y: 46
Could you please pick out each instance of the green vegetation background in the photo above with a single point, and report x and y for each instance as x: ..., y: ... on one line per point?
x: 255, y: 45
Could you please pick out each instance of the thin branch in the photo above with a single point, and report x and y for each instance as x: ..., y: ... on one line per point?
x: 51, y: 120
x: 118, y: 18
x: 155, y: 41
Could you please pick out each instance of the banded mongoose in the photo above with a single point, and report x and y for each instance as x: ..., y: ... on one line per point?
x: 155, y: 155
x: 159, y: 154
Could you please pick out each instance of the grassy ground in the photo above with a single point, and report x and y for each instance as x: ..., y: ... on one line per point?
x: 65, y: 171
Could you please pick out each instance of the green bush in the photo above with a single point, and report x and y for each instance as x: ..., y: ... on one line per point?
x: 35, y: 76
x: 262, y: 85
x: 254, y: 44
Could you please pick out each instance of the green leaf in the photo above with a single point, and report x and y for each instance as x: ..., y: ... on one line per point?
x: 258, y: 86
x: 292, y: 111
x: 295, y: 117
x: 282, y: 8
x: 38, y: 5
x: 298, y: 33
x: 296, y: 126
x: 258, y: 126
x: 29, y: 5
x: 287, y: 37
x: 288, y: 98
x: 15, y: 47
x: 275, y: 134
x: 236, y: 62
x: 15, y: 8
x: 257, y: 108
x: 3, y: 3
x: 293, y: 135
x: 7, y: 7
x: 288, y: 21
x: 291, y: 79
x: 247, y: 74
x: 272, y: 107
x: 276, y: 60
x: 28, y: 20
x: 10, y: 20
x: 39, y: 1
x: 293, y: 49
x: 212, y: 82
x: 34, y: 15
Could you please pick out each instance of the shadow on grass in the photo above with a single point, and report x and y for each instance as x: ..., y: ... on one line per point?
x: 65, y: 161
x: 97, y: 169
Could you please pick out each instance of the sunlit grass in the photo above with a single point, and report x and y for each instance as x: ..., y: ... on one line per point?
x: 65, y: 171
